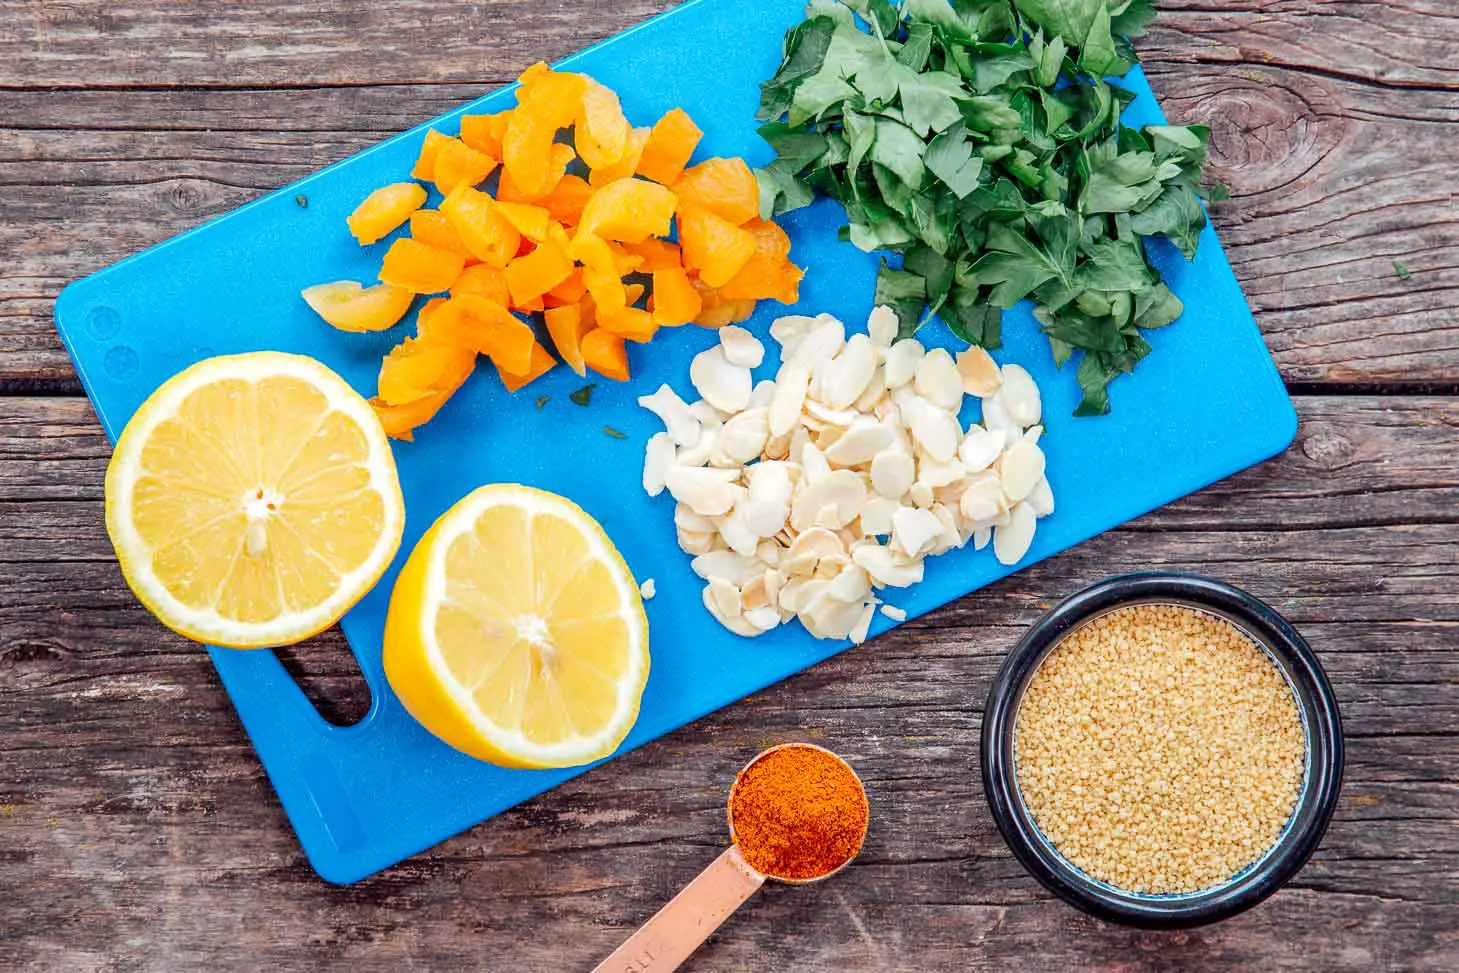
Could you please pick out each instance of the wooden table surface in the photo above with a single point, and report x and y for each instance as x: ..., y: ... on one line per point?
x: 137, y: 830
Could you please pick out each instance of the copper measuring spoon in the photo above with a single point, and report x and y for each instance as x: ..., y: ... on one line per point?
x: 692, y: 916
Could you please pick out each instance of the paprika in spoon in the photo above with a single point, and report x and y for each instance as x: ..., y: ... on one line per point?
x: 797, y: 814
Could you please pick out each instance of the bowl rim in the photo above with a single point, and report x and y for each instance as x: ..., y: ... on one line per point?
x: 1317, y: 706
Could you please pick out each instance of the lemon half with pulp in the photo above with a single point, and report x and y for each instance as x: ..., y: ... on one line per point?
x: 253, y: 499
x: 516, y: 632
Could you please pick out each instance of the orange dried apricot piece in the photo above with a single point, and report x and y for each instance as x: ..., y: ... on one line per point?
x: 430, y: 226
x: 483, y: 327
x: 349, y: 306
x: 655, y: 255
x: 559, y: 157
x: 384, y: 210
x: 568, y: 198
x: 531, y: 221
x: 401, y: 421
x: 676, y: 301
x: 485, y: 281
x: 419, y: 367
x: 487, y: 234
x: 571, y: 290
x: 605, y: 353
x: 548, y: 101
x: 602, y: 132
x: 564, y: 327
x: 420, y: 269
x: 670, y: 145
x: 715, y: 311
x: 531, y: 276
x: 626, y: 166
x: 457, y: 164
x: 725, y: 187
x: 541, y: 363
x: 484, y: 132
x: 425, y: 163
x: 629, y: 210
x: 713, y: 246
x: 632, y: 323
x: 768, y: 274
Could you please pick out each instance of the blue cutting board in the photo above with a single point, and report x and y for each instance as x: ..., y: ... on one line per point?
x: 1206, y: 403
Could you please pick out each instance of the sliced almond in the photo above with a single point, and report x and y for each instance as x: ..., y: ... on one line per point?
x: 790, y: 391
x: 876, y: 516
x: 1011, y: 541
x: 863, y: 440
x: 708, y: 492
x: 938, y: 381
x: 1020, y: 395
x: 935, y: 474
x: 762, y: 394
x: 737, y: 569
x: 902, y: 361
x: 980, y: 447
x: 741, y: 347
x: 698, y: 542
x: 1021, y: 469
x: 892, y: 474
x: 914, y: 531
x: 882, y: 326
x: 816, y: 543
x: 1041, y: 498
x: 743, y: 437
x: 982, y: 500
x: 839, y: 489
x: 681, y: 423
x: 980, y: 374
x: 935, y: 430
x: 723, y: 385
x: 658, y: 459
x: 819, y: 345
x: 883, y: 568
x: 848, y: 373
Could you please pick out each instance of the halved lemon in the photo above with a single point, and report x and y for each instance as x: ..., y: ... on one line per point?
x: 253, y: 499
x: 516, y: 632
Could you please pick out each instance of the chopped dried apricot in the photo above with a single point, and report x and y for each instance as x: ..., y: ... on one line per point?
x: 670, y: 145
x: 559, y: 157
x: 564, y: 327
x: 384, y: 210
x: 531, y: 221
x: 629, y: 210
x: 349, y: 306
x: 725, y: 187
x: 457, y: 164
x: 425, y: 163
x: 568, y: 198
x: 487, y: 234
x: 420, y: 269
x: 485, y: 281
x: 676, y: 301
x: 713, y: 246
x: 548, y: 101
x: 484, y: 132
x: 626, y: 166
x: 483, y: 327
x: 535, y: 274
x: 632, y: 323
x: 540, y: 364
x: 602, y: 132
x: 401, y: 421
x: 419, y: 367
x: 769, y: 273
x: 571, y: 290
x: 430, y: 226
x: 655, y: 255
x: 605, y: 353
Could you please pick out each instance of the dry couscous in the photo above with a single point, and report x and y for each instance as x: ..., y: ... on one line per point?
x: 1159, y: 749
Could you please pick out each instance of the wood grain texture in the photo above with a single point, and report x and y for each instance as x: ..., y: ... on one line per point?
x: 124, y: 124
x: 136, y: 813
x: 137, y: 830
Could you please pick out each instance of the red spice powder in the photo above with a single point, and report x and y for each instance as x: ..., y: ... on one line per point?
x: 798, y: 813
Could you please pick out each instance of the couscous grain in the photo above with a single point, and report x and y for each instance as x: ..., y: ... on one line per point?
x: 1159, y: 749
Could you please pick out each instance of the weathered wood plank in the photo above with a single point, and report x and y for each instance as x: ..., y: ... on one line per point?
x: 134, y: 810
x: 1336, y: 174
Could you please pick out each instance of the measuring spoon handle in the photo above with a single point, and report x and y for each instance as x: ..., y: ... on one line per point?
x: 677, y: 930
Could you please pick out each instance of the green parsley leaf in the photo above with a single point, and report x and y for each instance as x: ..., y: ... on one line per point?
x: 612, y: 433
x: 980, y: 142
x: 302, y: 201
x: 542, y: 401
x: 1401, y: 269
x: 584, y: 395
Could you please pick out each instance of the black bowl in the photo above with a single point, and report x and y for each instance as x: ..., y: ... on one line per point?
x: 1315, y: 704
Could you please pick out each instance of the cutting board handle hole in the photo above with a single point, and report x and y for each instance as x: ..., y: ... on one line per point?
x: 329, y: 676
